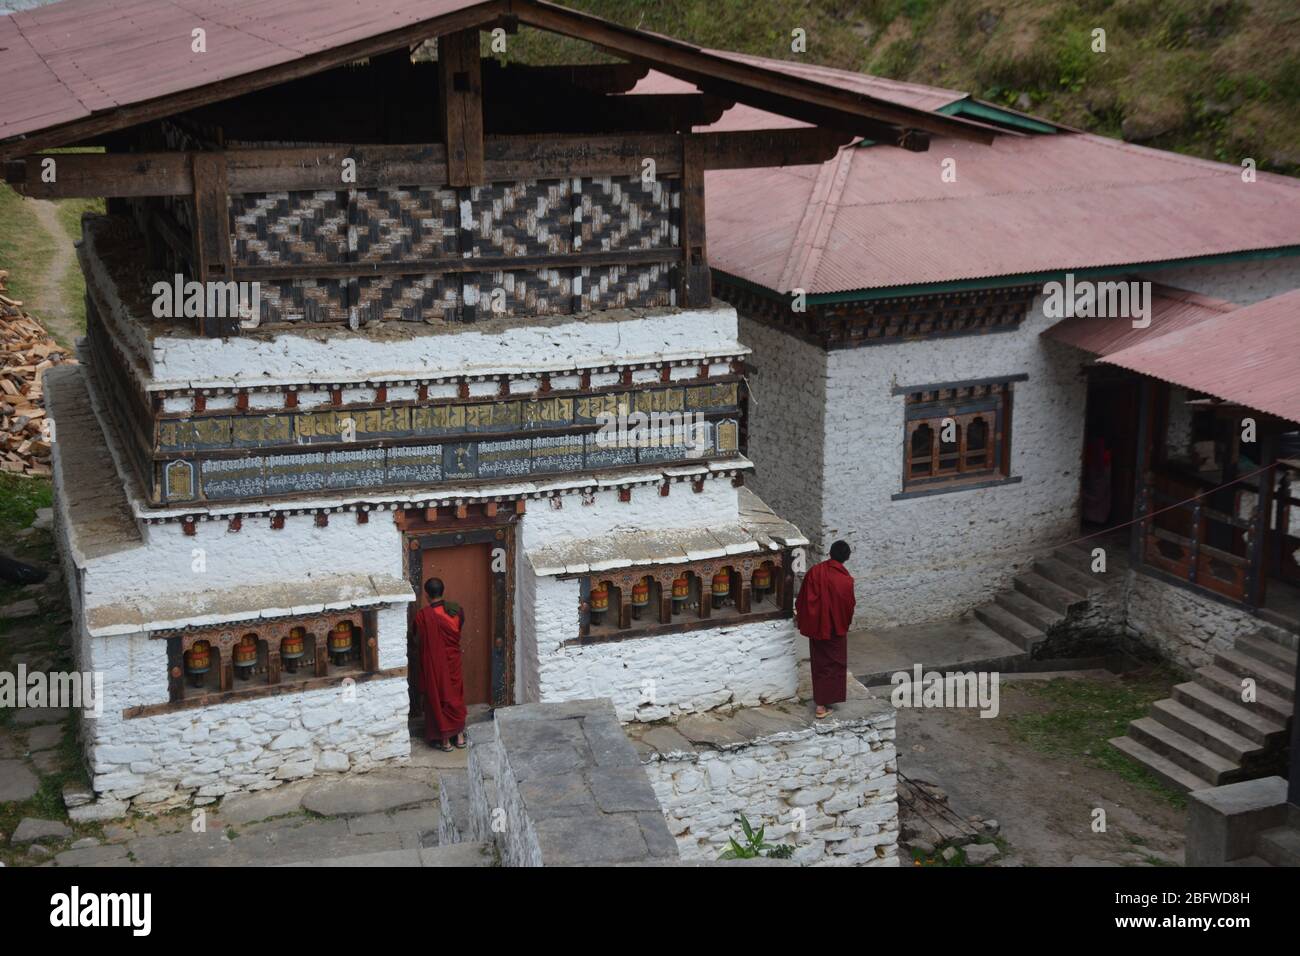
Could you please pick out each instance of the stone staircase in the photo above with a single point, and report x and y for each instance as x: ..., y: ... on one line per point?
x: 1041, y: 597
x: 1205, y: 736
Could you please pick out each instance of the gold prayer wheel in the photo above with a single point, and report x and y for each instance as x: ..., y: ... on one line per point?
x: 340, y: 642
x: 721, y: 586
x: 681, y: 592
x: 293, y: 647
x: 640, y: 596
x: 599, y: 602
x: 762, y: 579
x: 244, y: 656
x: 198, y: 661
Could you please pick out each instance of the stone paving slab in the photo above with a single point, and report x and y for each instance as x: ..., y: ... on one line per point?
x: 27, y: 716
x: 455, y: 855
x: 264, y: 804
x: 17, y: 782
x: 371, y: 793
x: 32, y: 830
x: 44, y: 737
x: 422, y: 819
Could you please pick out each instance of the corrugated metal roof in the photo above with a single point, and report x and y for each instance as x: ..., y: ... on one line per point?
x: 1247, y: 356
x: 1171, y: 309
x: 1024, y: 204
x: 78, y: 59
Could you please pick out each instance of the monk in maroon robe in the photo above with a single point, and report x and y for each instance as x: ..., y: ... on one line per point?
x: 824, y: 611
x: 439, y: 625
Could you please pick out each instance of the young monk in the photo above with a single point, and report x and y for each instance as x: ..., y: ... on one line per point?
x: 824, y: 611
x: 439, y: 625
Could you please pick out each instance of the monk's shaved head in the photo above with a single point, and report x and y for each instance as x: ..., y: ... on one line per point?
x: 840, y: 551
x: 433, y: 588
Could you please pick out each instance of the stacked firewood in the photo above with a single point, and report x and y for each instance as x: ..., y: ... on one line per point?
x: 26, y: 351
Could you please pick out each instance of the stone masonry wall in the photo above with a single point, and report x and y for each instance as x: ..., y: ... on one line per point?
x: 828, y: 787
x: 657, y: 676
x: 934, y: 557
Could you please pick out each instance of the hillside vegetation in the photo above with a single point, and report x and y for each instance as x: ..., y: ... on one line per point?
x: 1212, y: 78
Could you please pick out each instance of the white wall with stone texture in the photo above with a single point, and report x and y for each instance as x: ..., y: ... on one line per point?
x: 830, y: 792
x: 1242, y: 282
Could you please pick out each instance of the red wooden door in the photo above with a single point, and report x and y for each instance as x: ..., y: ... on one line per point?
x: 466, y: 573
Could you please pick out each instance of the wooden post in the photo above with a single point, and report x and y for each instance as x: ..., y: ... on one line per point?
x: 1262, y: 524
x: 697, y: 291
x: 212, y: 256
x: 1137, y: 541
x: 460, y: 95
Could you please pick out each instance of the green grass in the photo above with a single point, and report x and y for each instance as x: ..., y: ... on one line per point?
x: 73, y: 286
x: 26, y: 249
x: 1081, y: 715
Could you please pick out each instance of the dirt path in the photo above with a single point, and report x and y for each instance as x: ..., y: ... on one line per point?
x: 50, y: 306
x: 1044, y: 804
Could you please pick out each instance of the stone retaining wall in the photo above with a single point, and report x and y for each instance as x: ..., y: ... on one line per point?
x: 827, y: 787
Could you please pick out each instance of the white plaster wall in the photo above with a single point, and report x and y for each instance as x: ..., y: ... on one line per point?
x: 215, y: 558
x: 334, y: 355
x: 787, y: 412
x: 548, y: 523
x: 1241, y: 282
x: 657, y: 676
x: 204, y: 753
x: 843, y: 782
x: 933, y: 557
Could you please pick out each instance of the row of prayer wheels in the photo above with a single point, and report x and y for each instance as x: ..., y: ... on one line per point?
x: 243, y: 655
x: 719, y: 592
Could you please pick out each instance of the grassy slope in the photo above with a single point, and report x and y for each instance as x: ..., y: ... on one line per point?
x: 1213, y: 78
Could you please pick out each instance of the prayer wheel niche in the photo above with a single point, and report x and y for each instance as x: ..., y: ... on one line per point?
x: 599, y: 602
x: 721, y: 587
x: 640, y: 597
x: 340, y: 643
x: 681, y: 593
x: 198, y: 661
x: 762, y: 582
x: 292, y: 648
x: 244, y: 656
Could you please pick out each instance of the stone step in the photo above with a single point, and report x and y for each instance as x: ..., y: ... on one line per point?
x: 1171, y: 773
x: 1248, y: 861
x: 455, y: 855
x: 1271, y: 652
x: 1227, y: 684
x: 1279, y: 846
x: 1076, y: 556
x: 1045, y: 592
x: 1015, y: 629
x: 1275, y: 679
x: 1067, y: 576
x: 1188, y: 754
x: 1028, y: 610
x: 1230, y: 714
x: 1287, y: 622
x: 453, y: 807
x: 1206, y: 731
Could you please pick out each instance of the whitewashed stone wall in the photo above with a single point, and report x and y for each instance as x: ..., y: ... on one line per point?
x: 207, y: 752
x: 933, y: 557
x: 831, y: 791
x: 654, y: 677
x: 1242, y: 282
x: 787, y: 413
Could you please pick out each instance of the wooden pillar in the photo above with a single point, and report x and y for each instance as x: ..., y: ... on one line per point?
x: 322, y: 650
x: 460, y: 95
x: 1141, y: 464
x: 1262, y: 524
x: 697, y: 292
x: 212, y: 234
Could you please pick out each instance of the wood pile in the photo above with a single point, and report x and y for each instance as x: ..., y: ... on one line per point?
x: 27, y: 352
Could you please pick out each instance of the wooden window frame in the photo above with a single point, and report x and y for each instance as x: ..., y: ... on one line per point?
x: 964, y: 403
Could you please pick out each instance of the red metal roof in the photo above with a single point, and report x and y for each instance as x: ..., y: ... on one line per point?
x: 1247, y: 356
x: 80, y: 59
x: 883, y: 217
x: 1171, y: 309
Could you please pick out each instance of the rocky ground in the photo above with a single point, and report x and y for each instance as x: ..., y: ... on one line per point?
x: 973, y: 791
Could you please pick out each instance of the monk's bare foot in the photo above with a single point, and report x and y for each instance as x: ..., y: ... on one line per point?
x: 823, y: 711
x: 460, y: 741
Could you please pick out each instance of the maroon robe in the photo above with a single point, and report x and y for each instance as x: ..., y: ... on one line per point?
x: 441, y: 680
x: 824, y: 612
